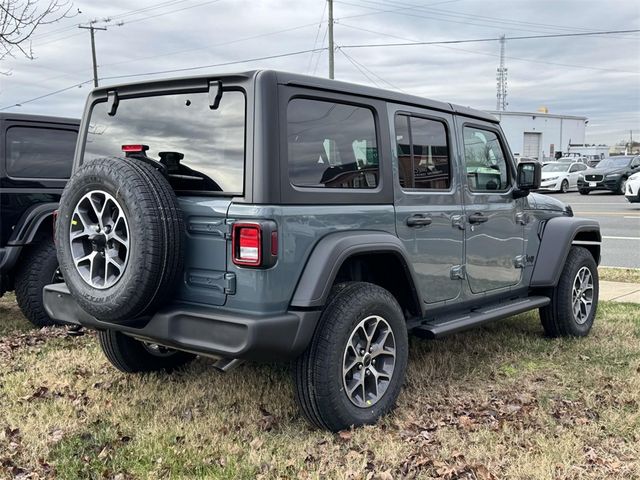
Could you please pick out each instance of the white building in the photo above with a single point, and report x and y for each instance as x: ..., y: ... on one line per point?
x: 540, y: 135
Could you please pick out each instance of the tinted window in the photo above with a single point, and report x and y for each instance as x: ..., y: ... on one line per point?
x: 331, y: 145
x: 485, y: 161
x: 34, y: 152
x: 423, y: 153
x: 203, y: 149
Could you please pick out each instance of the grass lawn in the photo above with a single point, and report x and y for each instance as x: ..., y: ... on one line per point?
x: 629, y: 275
x: 500, y: 401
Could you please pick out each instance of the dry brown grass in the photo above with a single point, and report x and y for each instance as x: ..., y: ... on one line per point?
x: 628, y: 275
x: 497, y: 402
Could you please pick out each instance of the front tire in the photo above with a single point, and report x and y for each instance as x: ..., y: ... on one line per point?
x: 38, y: 267
x: 574, y: 301
x: 584, y: 191
x: 133, y: 356
x: 354, y: 368
x: 564, y: 186
x: 622, y: 186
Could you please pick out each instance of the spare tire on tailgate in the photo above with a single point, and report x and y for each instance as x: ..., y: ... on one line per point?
x: 119, y: 237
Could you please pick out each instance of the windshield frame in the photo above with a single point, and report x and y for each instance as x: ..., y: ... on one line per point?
x: 240, y: 83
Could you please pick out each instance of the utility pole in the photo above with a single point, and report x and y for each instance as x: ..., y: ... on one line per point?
x: 331, y: 48
x: 501, y: 78
x: 92, y: 29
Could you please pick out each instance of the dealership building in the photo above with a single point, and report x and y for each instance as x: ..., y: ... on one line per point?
x: 541, y: 134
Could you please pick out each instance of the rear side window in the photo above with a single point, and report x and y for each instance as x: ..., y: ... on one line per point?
x: 37, y: 152
x: 423, y: 153
x: 331, y: 145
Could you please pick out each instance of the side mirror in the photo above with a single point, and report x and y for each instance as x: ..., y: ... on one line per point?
x: 529, y: 178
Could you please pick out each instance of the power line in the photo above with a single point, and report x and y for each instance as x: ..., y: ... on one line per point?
x: 315, y: 42
x: 358, y: 68
x: 176, y: 70
x: 200, y: 67
x: 324, y: 37
x: 475, y: 52
x: 19, y: 104
x: 356, y: 63
x: 230, y: 42
x: 492, y: 39
x: 398, y: 11
x: 483, y: 18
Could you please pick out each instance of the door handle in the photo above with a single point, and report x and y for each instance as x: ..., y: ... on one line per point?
x: 477, y: 218
x: 418, y: 220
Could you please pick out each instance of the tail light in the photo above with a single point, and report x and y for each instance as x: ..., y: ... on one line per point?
x: 254, y: 244
x: 135, y: 149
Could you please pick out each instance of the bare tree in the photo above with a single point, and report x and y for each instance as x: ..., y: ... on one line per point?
x: 19, y: 19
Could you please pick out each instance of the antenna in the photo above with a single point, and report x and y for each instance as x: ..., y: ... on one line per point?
x: 501, y: 78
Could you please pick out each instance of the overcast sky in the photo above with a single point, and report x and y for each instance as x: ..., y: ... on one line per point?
x: 597, y: 77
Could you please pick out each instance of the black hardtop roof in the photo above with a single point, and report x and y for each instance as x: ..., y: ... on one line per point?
x: 288, y: 78
x: 27, y: 117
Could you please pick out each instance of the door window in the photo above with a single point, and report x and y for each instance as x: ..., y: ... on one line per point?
x: 485, y: 162
x: 423, y: 153
x: 331, y: 145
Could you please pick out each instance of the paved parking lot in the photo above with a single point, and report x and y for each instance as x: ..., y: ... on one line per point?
x: 619, y: 221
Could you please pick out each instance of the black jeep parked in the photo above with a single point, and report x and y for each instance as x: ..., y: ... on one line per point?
x: 36, y: 155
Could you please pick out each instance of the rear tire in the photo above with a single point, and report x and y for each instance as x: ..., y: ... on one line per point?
x: 133, y: 356
x: 574, y: 301
x: 37, y: 268
x: 321, y: 374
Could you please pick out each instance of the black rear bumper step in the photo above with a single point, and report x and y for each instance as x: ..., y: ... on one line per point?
x: 448, y: 325
x: 201, y: 330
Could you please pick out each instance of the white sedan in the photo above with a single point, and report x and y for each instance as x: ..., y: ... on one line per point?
x: 632, y: 188
x: 561, y: 176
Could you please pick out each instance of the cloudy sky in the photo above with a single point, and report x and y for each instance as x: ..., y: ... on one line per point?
x: 594, y: 76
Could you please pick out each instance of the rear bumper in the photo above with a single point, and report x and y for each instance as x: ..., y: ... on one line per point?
x: 201, y: 330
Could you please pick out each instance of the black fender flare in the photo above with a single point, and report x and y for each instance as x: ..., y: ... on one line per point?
x: 558, y: 236
x: 30, y: 222
x: 332, y: 251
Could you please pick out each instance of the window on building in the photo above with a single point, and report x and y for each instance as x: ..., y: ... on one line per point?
x: 331, y: 145
x: 423, y: 153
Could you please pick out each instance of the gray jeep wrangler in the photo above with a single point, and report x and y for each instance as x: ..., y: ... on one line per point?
x: 274, y: 216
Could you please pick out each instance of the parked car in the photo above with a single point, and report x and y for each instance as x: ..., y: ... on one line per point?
x: 268, y: 215
x: 611, y: 174
x: 561, y: 176
x: 35, y: 163
x: 632, y: 192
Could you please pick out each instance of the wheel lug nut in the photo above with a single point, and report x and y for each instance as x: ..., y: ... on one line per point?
x: 359, y: 366
x: 362, y: 351
x: 367, y: 372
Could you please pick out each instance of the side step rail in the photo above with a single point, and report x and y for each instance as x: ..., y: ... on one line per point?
x: 448, y: 325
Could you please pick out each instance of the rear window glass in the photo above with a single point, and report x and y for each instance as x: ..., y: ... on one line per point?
x: 331, y: 145
x: 203, y: 149
x: 34, y: 152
